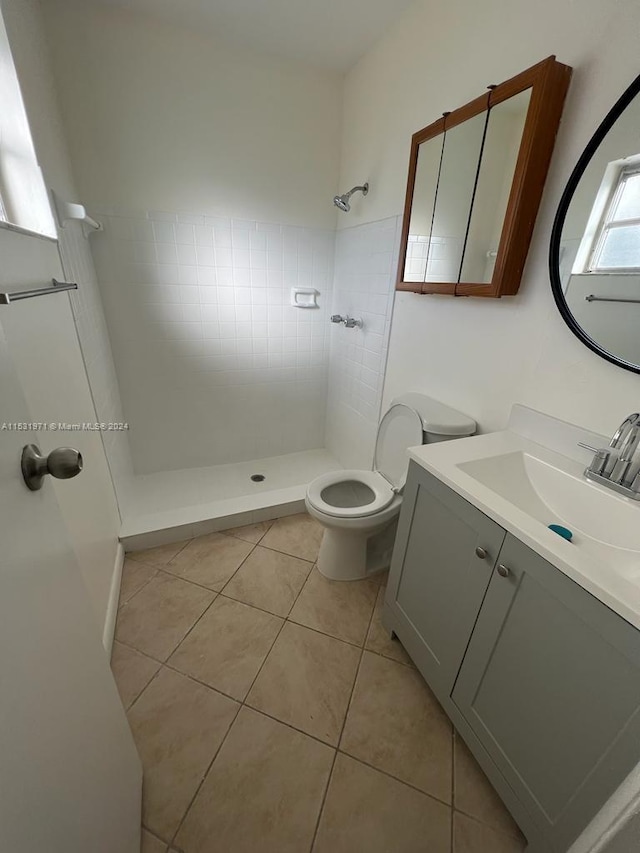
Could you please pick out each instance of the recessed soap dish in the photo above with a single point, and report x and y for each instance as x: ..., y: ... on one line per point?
x: 304, y: 297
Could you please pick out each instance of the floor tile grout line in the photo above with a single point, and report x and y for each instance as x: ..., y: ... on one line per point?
x: 179, y: 551
x: 355, y: 681
x: 289, y: 725
x: 323, y: 633
x: 222, y: 591
x: 492, y: 827
x: 500, y: 832
x: 137, y: 699
x: 216, y: 592
x: 165, y: 571
x: 342, y: 727
x: 181, y: 641
x: 153, y: 835
x: 190, y: 677
x: 172, y: 843
x: 144, y: 585
x: 262, y: 535
x: 286, y: 553
x: 244, y: 559
x: 397, y: 779
x: 284, y: 622
x: 323, y: 801
x: 361, y: 645
x: 139, y: 694
x: 186, y: 580
x: 453, y: 783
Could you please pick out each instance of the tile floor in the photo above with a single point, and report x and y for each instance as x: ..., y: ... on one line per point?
x: 273, y: 713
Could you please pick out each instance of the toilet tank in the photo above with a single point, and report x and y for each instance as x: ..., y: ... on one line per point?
x: 439, y: 422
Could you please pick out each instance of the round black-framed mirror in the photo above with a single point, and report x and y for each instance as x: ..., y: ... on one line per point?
x: 594, y: 254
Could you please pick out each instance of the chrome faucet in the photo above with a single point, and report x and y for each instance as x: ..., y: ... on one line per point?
x: 626, y: 438
x: 612, y: 466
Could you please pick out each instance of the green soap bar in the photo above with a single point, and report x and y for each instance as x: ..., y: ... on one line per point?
x: 561, y: 531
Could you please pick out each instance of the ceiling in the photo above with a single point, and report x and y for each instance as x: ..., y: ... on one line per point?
x: 331, y: 34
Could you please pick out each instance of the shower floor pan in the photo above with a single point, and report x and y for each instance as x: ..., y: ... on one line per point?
x: 173, y: 505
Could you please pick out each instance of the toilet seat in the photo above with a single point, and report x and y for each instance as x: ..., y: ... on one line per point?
x: 360, y: 494
x: 382, y: 491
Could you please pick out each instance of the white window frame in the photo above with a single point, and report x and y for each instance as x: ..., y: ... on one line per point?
x: 601, y: 220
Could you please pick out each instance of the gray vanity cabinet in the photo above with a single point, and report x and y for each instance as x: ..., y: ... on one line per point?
x: 449, y: 554
x: 550, y: 684
x: 541, y: 679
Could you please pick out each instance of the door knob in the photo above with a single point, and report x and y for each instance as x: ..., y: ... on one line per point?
x: 504, y: 571
x: 62, y: 463
x: 481, y: 554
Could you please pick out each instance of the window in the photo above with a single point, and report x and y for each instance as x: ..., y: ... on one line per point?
x: 24, y: 201
x: 617, y: 244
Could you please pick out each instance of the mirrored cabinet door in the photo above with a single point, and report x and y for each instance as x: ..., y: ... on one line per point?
x: 505, y: 127
x: 424, y: 200
x: 462, y: 152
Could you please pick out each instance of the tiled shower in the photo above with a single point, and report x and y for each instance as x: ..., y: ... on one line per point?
x: 215, y: 365
x: 220, y: 377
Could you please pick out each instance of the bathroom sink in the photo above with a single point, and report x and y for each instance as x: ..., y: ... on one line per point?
x: 532, y: 475
x: 602, y: 523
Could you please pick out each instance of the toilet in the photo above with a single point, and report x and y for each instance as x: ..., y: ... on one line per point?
x: 359, y: 509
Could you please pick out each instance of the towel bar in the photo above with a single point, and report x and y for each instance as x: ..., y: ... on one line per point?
x: 8, y: 298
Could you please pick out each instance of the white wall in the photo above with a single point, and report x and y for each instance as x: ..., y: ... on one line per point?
x: 214, y: 170
x: 49, y: 360
x: 160, y: 118
x: 482, y: 355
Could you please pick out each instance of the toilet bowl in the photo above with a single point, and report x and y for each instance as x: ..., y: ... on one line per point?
x: 359, y: 509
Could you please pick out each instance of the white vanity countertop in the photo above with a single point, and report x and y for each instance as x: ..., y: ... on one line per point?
x: 594, y: 559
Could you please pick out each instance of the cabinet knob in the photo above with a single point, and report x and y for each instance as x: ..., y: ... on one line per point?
x: 504, y: 571
x: 481, y: 554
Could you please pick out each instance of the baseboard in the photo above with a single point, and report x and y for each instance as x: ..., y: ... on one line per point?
x: 112, y: 604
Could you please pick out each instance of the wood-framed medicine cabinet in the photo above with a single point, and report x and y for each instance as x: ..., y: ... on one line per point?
x: 475, y: 182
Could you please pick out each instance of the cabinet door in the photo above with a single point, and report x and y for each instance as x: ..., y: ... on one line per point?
x: 437, y: 580
x: 550, y: 684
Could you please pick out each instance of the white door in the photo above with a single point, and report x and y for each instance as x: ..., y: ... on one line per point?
x: 70, y: 777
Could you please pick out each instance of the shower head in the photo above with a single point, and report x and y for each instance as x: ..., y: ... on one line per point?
x: 342, y: 201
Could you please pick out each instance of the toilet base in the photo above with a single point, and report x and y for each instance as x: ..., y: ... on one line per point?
x: 349, y: 555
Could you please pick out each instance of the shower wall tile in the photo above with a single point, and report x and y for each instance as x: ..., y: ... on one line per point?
x: 213, y: 362
x: 364, y: 279
x: 89, y: 318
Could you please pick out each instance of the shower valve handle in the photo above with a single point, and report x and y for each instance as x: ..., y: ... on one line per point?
x: 349, y: 322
